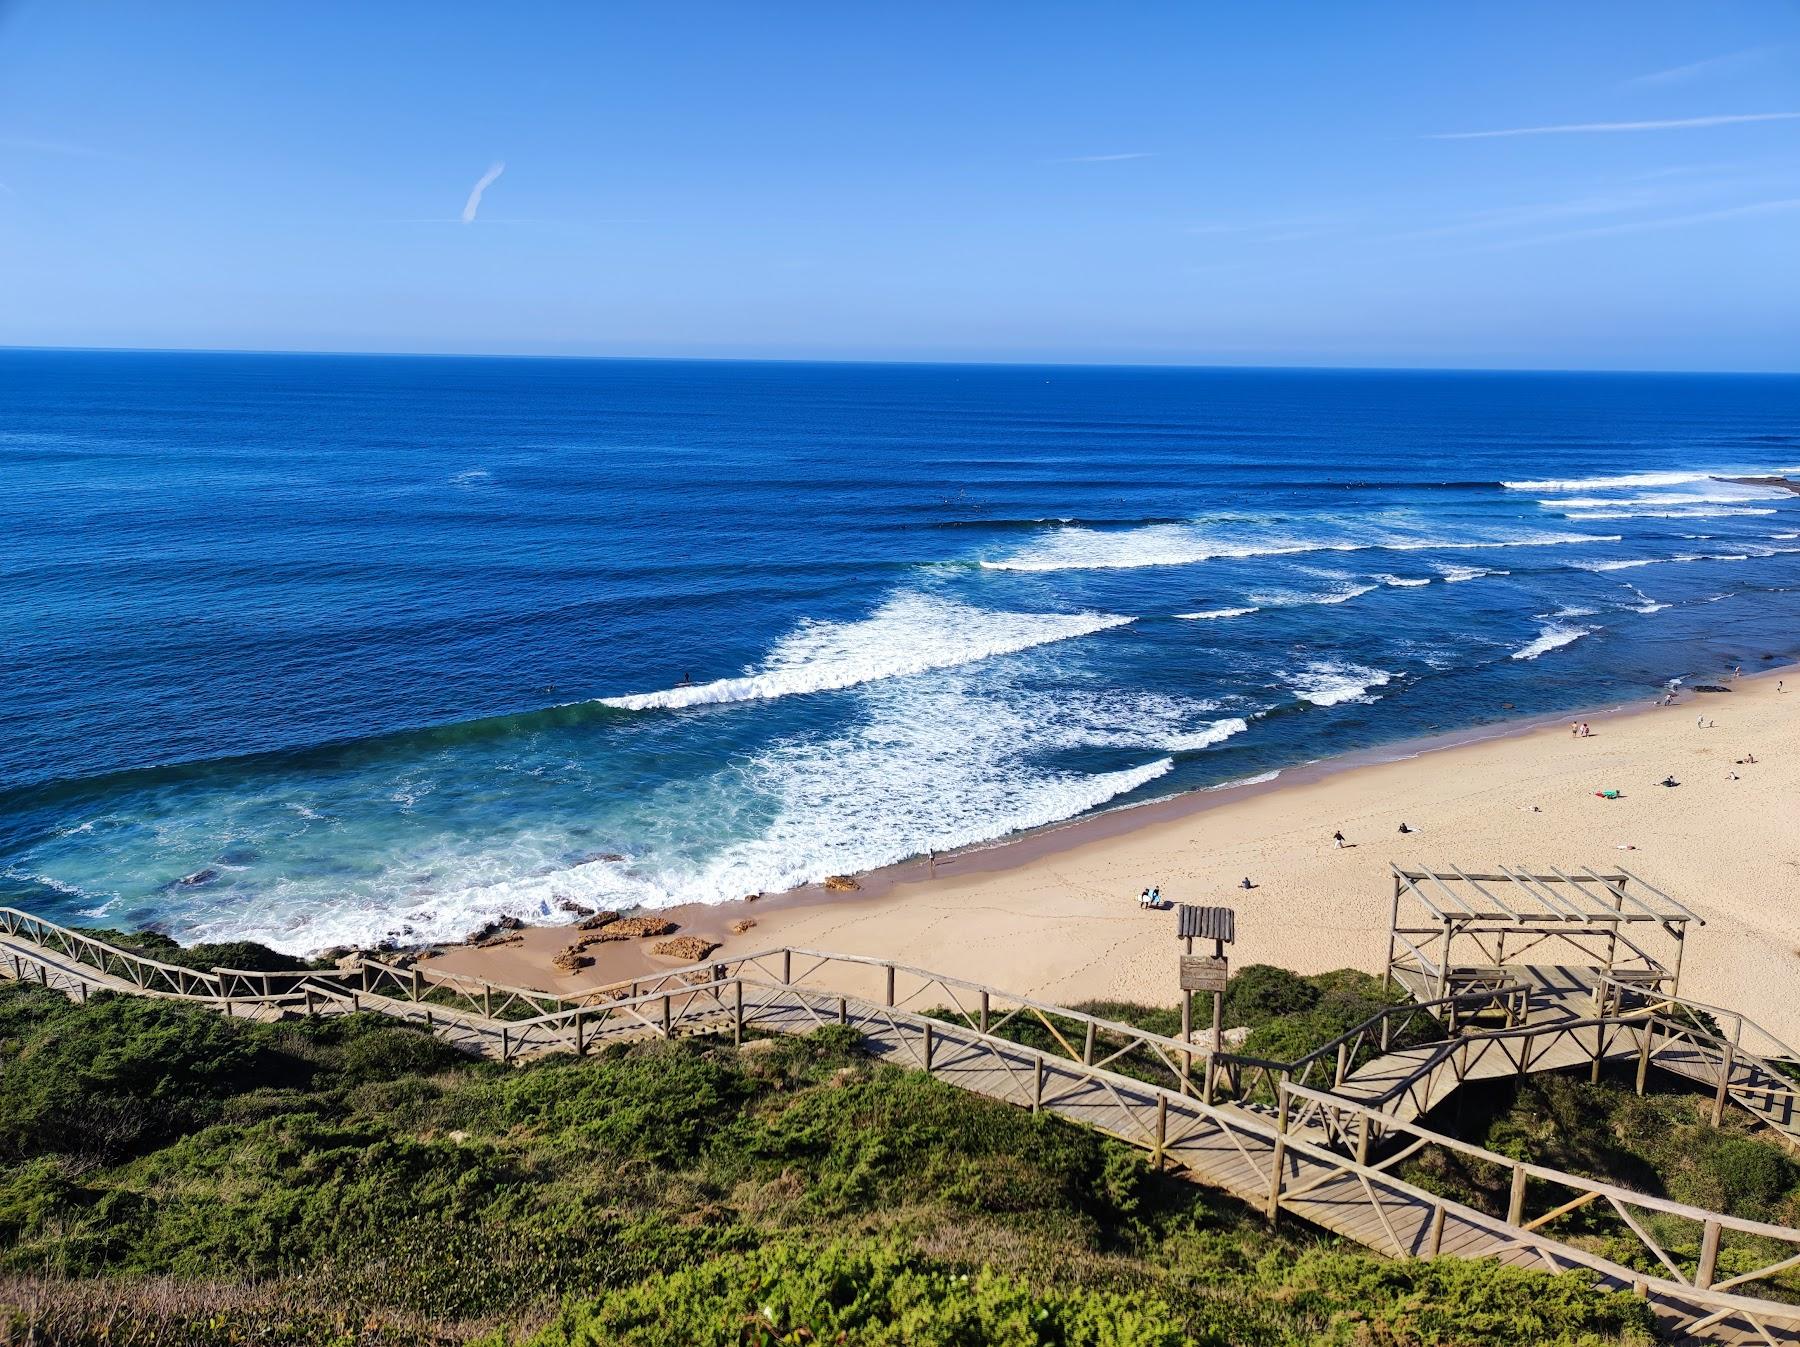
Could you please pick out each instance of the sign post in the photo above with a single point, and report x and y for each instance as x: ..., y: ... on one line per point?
x: 1205, y: 972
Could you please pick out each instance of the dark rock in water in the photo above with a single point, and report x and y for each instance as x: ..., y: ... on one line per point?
x: 488, y: 930
x: 574, y: 908
x: 1768, y: 657
x: 337, y: 952
x: 238, y: 856
x: 589, y: 857
x: 199, y: 877
x: 1783, y: 483
x: 1710, y: 687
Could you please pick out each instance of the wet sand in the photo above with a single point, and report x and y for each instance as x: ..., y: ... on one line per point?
x: 1054, y: 914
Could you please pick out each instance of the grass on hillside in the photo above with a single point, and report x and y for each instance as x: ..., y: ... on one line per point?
x: 168, y: 1176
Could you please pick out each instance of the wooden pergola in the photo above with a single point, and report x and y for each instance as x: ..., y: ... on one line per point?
x: 1453, y: 928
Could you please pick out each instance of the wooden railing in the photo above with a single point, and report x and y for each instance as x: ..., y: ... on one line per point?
x: 1724, y: 1252
x: 1694, y: 1264
x: 1256, y: 1079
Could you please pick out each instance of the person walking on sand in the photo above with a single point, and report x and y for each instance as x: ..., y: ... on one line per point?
x: 1338, y: 839
x: 1574, y: 729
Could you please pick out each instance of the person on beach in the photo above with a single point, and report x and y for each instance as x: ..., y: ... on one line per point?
x: 1143, y: 897
x: 1404, y: 826
x: 1338, y: 839
x: 1245, y: 883
x: 1574, y: 729
x: 1585, y: 731
x: 1699, y: 722
x: 1156, y: 896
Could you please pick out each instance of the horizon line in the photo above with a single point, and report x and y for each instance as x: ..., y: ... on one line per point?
x: 995, y: 362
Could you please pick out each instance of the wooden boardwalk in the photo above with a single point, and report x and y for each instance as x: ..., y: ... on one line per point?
x: 1326, y: 1156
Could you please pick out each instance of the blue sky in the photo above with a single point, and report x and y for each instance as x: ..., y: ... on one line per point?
x: 1295, y: 183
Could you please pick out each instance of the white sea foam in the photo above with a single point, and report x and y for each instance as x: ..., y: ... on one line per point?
x: 1694, y: 512
x: 1454, y: 574
x: 1153, y: 545
x: 1332, y: 682
x: 1620, y: 565
x: 1215, y: 613
x: 1554, y: 636
x: 1724, y: 495
x: 1403, y: 581
x: 1191, y: 544
x: 1634, y: 480
x: 1645, y: 603
x: 911, y: 633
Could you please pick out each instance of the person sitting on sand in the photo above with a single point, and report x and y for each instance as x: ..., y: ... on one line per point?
x: 1585, y: 731
x: 1668, y: 781
x: 1245, y: 883
x: 1749, y: 757
x: 1404, y: 826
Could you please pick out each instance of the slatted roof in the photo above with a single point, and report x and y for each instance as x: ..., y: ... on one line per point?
x: 1536, y: 896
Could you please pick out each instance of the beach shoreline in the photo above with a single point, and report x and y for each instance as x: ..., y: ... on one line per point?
x: 1021, y: 912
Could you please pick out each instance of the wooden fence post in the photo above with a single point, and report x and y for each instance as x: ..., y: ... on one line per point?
x: 1643, y: 1070
x: 1273, y: 1207
x: 580, y: 1038
x: 843, y: 1010
x: 418, y: 984
x: 1087, y: 1046
x: 930, y: 1040
x: 1436, y: 1241
x: 667, y: 1028
x: 1709, y: 1255
x: 890, y: 985
x: 1162, y: 1129
x: 505, y: 1044
x: 1515, y: 1205
x: 1718, y: 1111
x: 737, y: 1016
x: 787, y: 967
x: 984, y: 1012
x: 1343, y: 1064
x: 1037, y: 1084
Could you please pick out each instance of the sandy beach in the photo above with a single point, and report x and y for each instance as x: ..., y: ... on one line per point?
x: 1055, y: 914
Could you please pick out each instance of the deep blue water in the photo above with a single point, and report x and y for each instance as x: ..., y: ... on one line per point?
x: 334, y: 635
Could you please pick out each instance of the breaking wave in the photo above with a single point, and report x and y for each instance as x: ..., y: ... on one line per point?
x: 1333, y: 682
x: 911, y: 633
x: 1554, y: 636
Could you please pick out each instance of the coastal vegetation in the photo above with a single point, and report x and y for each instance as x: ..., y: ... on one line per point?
x: 171, y: 1176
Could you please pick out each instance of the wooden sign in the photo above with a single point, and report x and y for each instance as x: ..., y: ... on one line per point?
x: 1204, y: 972
x: 1206, y: 923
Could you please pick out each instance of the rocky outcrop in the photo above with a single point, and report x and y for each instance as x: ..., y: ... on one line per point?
x: 687, y: 948
x: 841, y: 884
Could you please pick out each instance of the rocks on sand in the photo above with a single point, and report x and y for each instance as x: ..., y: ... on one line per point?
x: 687, y: 948
x: 743, y: 924
x: 841, y: 883
x: 635, y: 928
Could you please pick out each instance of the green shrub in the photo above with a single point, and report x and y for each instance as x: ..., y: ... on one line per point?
x: 873, y: 1295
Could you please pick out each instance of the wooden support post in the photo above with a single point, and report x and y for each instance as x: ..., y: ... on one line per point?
x: 787, y: 969
x: 505, y: 1044
x: 1279, y: 1157
x: 1515, y: 1205
x: 311, y: 1011
x: 580, y: 1037
x: 1162, y: 1130
x: 1087, y: 1045
x: 1343, y: 1064
x: 667, y: 1026
x: 487, y: 1001
x: 1709, y: 1255
x: 1435, y: 1242
x: 1599, y: 1052
x: 1037, y: 1083
x: 1718, y: 1109
x: 984, y: 1012
x: 1643, y: 1072
x: 1362, y: 1138
x: 737, y: 1012
x: 930, y: 1040
x: 418, y: 984
x: 367, y: 973
x: 843, y: 1010
x: 890, y: 985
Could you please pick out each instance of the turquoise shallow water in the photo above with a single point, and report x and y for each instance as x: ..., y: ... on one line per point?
x: 365, y: 645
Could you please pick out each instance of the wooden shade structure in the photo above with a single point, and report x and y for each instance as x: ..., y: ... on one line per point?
x: 1453, y: 928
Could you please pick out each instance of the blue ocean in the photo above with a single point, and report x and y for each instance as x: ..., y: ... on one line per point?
x: 321, y: 649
